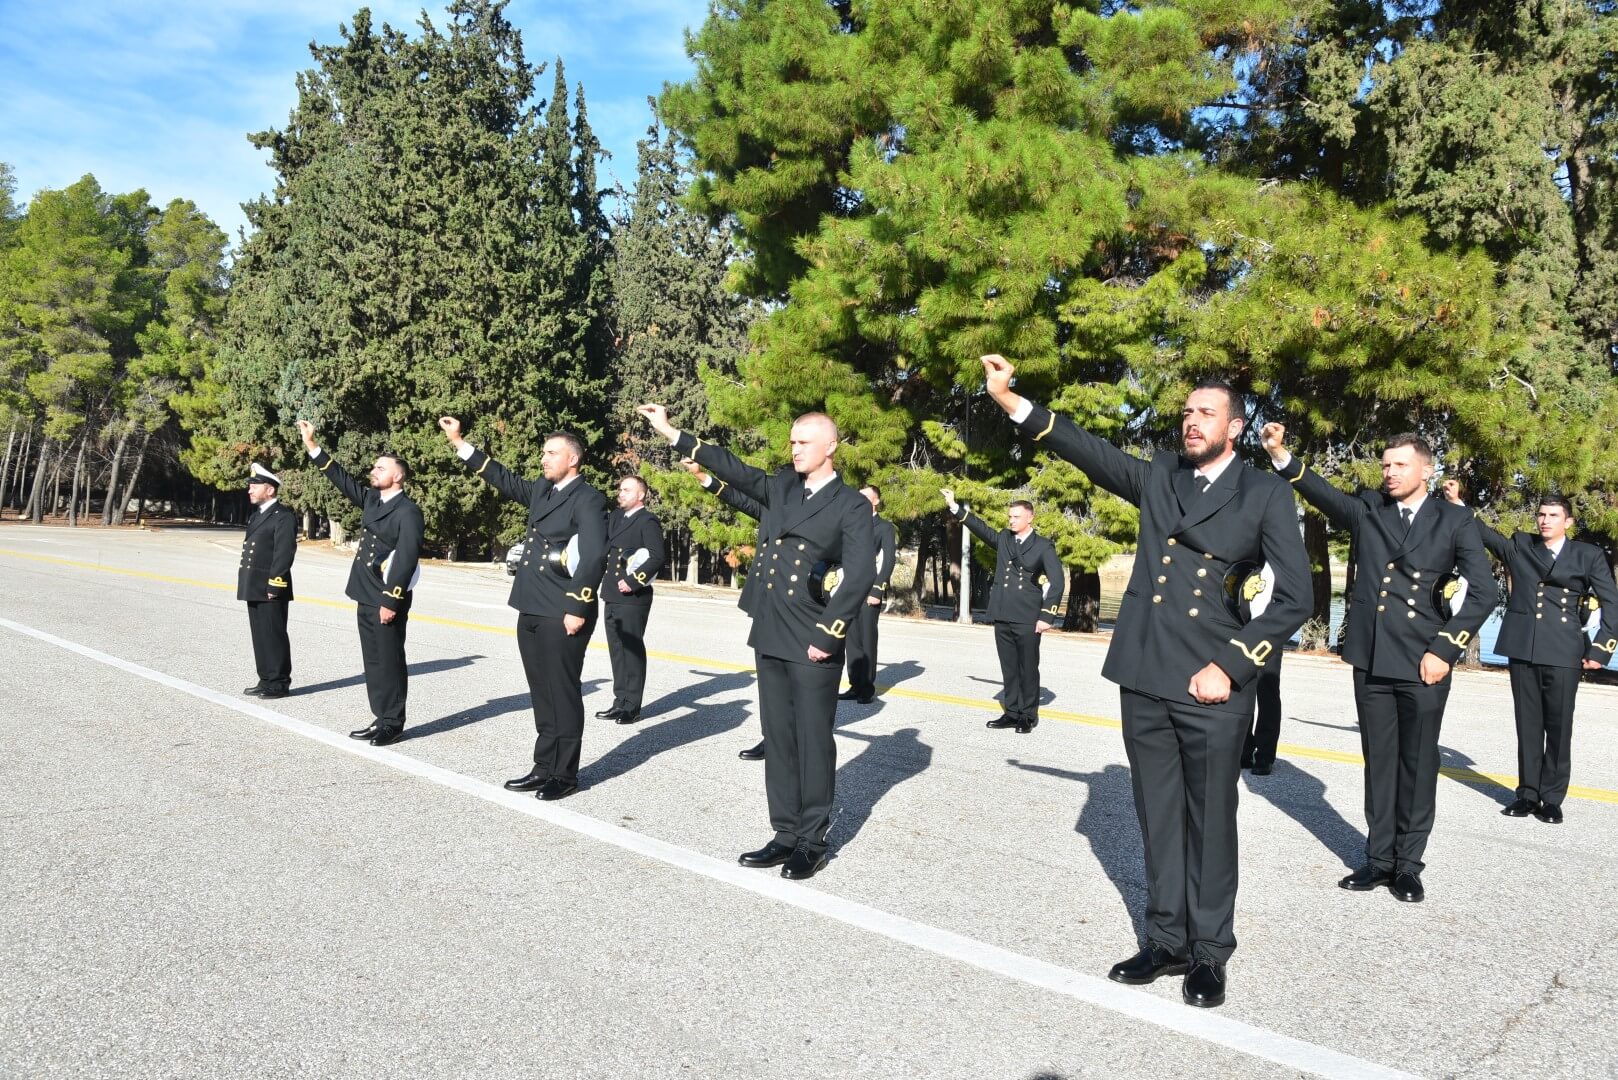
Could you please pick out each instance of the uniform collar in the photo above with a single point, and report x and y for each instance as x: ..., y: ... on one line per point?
x: 1215, y: 471
x: 263, y: 506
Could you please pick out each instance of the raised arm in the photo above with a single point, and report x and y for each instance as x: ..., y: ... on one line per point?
x: 1341, y: 509
x: 1498, y: 543
x: 716, y: 459
x: 974, y: 524
x: 352, y: 489
x: 726, y: 494
x: 1107, y: 466
x: 493, y: 473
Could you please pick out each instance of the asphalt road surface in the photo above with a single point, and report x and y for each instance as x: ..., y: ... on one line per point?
x: 194, y: 884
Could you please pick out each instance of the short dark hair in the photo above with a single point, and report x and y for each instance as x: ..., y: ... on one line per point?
x: 404, y: 470
x: 1024, y: 503
x: 1223, y: 385
x: 1409, y: 438
x: 1557, y: 500
x: 645, y: 492
x: 572, y: 440
x: 874, y: 490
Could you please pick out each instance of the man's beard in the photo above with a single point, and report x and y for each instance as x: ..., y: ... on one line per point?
x: 1211, y: 450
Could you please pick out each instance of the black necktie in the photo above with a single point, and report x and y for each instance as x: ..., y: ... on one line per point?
x: 1203, y: 483
x: 806, y: 493
x: 1406, y: 515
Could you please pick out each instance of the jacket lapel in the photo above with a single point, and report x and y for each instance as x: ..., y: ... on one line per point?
x: 377, y: 511
x: 1197, y: 508
x: 1426, y: 518
x: 805, y: 509
x: 557, y: 500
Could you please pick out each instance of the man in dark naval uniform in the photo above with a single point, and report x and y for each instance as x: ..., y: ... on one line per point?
x: 1184, y: 662
x: 862, y: 636
x: 264, y: 580
x: 1025, y: 597
x: 1542, y: 635
x: 1402, y: 642
x: 554, y: 592
x: 381, y: 581
x: 634, y: 558
x: 740, y: 502
x: 816, y: 572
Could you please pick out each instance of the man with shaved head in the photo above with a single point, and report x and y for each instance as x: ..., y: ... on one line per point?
x: 816, y: 568
x: 1185, y: 660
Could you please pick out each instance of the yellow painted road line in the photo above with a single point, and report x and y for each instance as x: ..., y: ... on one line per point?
x: 1339, y: 757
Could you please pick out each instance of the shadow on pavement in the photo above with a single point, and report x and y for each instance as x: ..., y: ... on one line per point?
x: 1046, y: 696
x: 650, y: 740
x: 1457, y: 766
x: 1301, y: 796
x: 886, y: 762
x: 426, y: 667
x: 1108, y: 822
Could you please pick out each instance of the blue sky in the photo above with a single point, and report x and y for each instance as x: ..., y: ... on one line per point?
x: 161, y: 95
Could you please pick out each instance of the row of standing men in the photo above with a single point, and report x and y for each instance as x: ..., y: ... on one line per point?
x: 1189, y: 670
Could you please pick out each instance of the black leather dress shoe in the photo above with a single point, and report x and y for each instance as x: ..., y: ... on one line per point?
x: 365, y: 734
x: 1004, y: 720
x: 1549, y: 813
x: 1263, y: 768
x: 855, y: 696
x: 387, y: 738
x: 752, y: 753
x: 255, y: 690
x: 556, y: 788
x: 626, y: 717
x: 1365, y: 879
x: 1407, y: 887
x: 272, y: 694
x: 1025, y: 726
x: 1148, y: 965
x: 1521, y: 808
x: 771, y: 854
x: 532, y: 781
x: 1204, y: 985
x: 608, y: 713
x: 803, y: 864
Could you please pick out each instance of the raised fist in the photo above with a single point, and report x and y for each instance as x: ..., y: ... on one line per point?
x: 452, y: 429
x: 1274, y: 437
x: 307, y: 430
x: 658, y: 417
x: 998, y: 371
x: 1452, y: 492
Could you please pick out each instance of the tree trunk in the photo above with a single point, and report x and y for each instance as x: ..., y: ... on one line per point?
x: 1083, y: 601
x: 56, y: 480
x: 112, y: 479
x: 134, y: 478
x: 1316, y: 542
x: 339, y: 535
x: 5, y: 468
x: 36, y: 498
x: 78, y: 475
x: 21, y: 478
x: 308, y: 524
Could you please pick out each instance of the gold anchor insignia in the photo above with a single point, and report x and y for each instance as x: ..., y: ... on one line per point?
x: 1257, y: 654
x: 1457, y: 640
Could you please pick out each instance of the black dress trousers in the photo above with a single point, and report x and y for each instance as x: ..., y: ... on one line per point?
x: 1544, y: 697
x: 1259, y: 748
x: 1184, y: 761
x: 798, y: 703
x: 626, y: 647
x: 387, y: 679
x: 861, y: 649
x: 272, y: 651
x: 1399, y: 721
x: 1018, y: 646
x: 553, y: 660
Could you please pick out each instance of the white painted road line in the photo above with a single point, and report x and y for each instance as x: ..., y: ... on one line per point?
x: 1208, y: 1026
